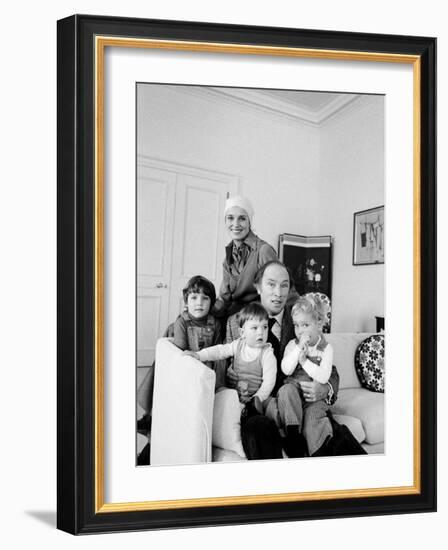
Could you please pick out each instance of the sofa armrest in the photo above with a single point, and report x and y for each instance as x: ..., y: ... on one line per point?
x: 182, y: 414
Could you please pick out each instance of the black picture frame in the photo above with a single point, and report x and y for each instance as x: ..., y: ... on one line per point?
x: 372, y: 220
x: 80, y: 502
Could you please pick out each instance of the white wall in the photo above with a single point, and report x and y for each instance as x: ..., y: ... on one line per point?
x: 301, y: 179
x: 352, y: 179
x: 275, y: 159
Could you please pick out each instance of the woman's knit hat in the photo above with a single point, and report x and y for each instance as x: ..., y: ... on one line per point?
x: 241, y: 202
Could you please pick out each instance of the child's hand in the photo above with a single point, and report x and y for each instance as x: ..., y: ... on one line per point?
x: 304, y: 340
x: 192, y: 354
x: 243, y: 391
x: 303, y: 352
x: 244, y: 399
x: 303, y: 348
x: 302, y: 356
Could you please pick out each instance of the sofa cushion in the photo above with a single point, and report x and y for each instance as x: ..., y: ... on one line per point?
x: 369, y: 363
x: 344, y: 348
x: 367, y: 406
x: 184, y: 388
x: 353, y: 424
x: 226, y: 421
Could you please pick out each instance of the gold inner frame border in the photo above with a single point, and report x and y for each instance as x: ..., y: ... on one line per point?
x: 100, y: 44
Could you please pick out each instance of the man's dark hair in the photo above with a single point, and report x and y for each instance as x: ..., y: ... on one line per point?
x: 254, y: 310
x: 200, y: 284
x: 259, y: 274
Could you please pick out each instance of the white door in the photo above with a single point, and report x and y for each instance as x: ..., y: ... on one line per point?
x: 155, y: 199
x: 180, y: 233
x: 199, y: 236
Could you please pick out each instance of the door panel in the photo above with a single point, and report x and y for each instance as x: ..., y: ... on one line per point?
x: 155, y: 199
x: 149, y: 319
x: 198, y: 233
x: 201, y: 234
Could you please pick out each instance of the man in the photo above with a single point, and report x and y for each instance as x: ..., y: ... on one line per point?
x: 273, y: 285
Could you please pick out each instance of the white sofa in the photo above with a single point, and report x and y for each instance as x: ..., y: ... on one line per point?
x: 354, y: 401
x: 182, y: 416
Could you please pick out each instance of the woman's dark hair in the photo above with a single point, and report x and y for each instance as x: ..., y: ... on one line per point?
x: 253, y: 310
x: 259, y: 274
x: 200, y: 284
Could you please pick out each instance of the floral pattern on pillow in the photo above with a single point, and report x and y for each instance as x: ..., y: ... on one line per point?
x: 369, y: 363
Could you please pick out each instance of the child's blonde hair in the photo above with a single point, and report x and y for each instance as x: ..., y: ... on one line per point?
x: 312, y: 305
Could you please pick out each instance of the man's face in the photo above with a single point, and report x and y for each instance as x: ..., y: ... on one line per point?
x: 274, y: 288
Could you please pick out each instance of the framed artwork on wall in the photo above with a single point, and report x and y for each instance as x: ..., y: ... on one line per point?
x: 309, y: 262
x: 368, y: 236
x: 100, y: 62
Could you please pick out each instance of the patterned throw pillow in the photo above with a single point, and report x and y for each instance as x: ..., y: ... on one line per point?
x: 369, y: 363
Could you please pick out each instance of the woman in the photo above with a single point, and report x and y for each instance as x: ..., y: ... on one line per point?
x: 245, y: 254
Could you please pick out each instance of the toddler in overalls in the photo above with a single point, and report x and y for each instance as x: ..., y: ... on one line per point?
x: 196, y: 328
x: 254, y: 362
x: 307, y: 357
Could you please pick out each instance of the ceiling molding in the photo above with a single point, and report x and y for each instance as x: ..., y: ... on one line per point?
x: 266, y: 102
x: 336, y: 105
x: 257, y: 100
x: 359, y: 102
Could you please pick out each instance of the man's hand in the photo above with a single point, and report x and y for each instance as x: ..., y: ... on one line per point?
x: 314, y: 391
x: 231, y: 378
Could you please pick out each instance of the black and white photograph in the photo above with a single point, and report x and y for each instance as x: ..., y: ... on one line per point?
x: 256, y: 335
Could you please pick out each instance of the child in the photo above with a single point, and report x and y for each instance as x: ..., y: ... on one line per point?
x: 307, y: 357
x: 196, y: 328
x: 254, y: 362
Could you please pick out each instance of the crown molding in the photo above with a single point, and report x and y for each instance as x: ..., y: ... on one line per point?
x: 256, y: 100
x: 146, y: 161
x: 359, y: 102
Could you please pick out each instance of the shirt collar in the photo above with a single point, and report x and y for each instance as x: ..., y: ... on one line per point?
x: 279, y: 317
x: 250, y: 241
x: 188, y: 317
x: 317, y: 343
